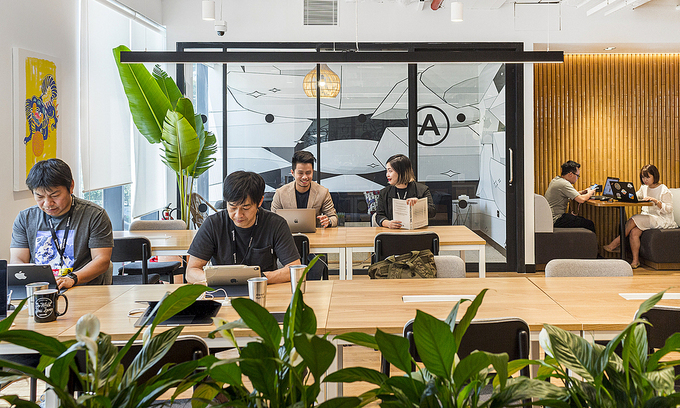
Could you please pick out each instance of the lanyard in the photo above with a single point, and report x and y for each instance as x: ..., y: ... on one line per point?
x: 61, y: 248
x: 250, y: 241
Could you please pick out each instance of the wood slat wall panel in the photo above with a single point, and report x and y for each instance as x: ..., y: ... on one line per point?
x: 611, y: 113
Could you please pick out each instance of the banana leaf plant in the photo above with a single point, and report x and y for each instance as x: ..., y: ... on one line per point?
x: 284, y: 366
x: 443, y: 380
x: 162, y: 115
x: 105, y: 382
x: 595, y: 376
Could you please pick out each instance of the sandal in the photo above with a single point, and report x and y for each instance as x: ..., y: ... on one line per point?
x: 635, y: 265
x: 611, y: 250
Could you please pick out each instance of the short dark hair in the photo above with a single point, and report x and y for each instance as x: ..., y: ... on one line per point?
x: 302, y: 156
x: 49, y: 174
x: 570, y: 166
x: 650, y: 170
x: 402, y: 166
x: 240, y: 185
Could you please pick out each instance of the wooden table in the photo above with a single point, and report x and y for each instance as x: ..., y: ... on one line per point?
x: 451, y: 237
x: 622, y: 216
x: 329, y: 240
x: 163, y: 242
x: 597, y: 303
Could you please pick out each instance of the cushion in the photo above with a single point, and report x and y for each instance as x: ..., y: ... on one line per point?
x: 587, y: 267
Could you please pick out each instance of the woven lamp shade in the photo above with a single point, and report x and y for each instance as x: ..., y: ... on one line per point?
x: 329, y: 83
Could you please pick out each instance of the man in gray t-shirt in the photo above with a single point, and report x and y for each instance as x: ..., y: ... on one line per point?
x: 560, y: 191
x: 72, y: 235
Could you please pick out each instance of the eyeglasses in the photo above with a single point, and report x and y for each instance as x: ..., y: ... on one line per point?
x: 577, y: 175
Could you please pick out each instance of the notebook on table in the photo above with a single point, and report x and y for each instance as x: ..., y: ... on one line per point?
x: 606, y: 190
x: 19, y: 275
x: 232, y: 278
x: 299, y: 219
x: 199, y: 313
x: 624, y: 191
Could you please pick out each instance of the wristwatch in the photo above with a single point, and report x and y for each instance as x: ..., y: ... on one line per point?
x: 74, y: 277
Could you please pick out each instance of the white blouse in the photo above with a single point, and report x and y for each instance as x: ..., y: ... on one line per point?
x: 653, y: 217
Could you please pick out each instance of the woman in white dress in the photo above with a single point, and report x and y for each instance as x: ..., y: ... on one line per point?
x: 657, y: 216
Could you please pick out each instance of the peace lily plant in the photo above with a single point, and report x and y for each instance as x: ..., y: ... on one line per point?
x: 163, y: 115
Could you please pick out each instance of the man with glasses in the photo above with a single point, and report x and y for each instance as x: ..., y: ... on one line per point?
x: 560, y: 191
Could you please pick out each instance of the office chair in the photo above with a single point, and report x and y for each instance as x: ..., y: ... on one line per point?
x: 137, y: 250
x: 665, y: 321
x: 397, y: 243
x: 449, y: 266
x: 507, y: 335
x: 320, y: 269
x: 163, y: 261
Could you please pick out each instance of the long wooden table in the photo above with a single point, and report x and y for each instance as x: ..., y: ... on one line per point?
x: 622, y: 216
x: 344, y: 241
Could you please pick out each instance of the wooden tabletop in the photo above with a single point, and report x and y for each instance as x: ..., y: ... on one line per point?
x: 327, y: 238
x: 366, y: 305
x: 616, y: 204
x: 162, y: 240
x: 115, y: 321
x: 448, y: 235
x: 596, y: 302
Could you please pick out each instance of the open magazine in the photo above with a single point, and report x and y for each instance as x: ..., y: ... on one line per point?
x: 411, y: 217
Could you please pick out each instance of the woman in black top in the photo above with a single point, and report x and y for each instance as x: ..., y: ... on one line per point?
x: 402, y: 186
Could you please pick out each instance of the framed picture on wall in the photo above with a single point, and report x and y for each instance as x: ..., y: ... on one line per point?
x: 35, y: 90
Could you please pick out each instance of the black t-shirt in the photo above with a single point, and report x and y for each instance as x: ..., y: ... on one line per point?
x: 272, y: 240
x: 243, y: 242
x: 402, y: 193
x: 302, y: 198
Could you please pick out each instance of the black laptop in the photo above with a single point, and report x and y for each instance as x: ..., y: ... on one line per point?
x: 624, y: 191
x: 19, y: 275
x: 200, y: 312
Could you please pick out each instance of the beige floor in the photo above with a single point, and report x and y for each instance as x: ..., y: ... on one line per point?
x: 353, y: 356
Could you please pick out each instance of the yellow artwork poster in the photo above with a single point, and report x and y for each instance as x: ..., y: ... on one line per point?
x: 41, y: 111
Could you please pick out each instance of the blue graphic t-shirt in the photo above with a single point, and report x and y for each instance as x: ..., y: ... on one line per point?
x: 90, y: 227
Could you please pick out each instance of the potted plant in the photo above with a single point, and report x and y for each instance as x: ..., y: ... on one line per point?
x: 603, y: 378
x: 284, y: 366
x: 444, y: 380
x: 162, y: 115
x: 104, y: 382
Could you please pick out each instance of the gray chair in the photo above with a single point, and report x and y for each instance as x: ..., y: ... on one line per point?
x: 587, y: 267
x: 559, y: 243
x: 449, y: 266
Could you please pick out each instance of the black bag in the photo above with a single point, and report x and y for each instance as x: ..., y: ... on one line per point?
x: 415, y: 264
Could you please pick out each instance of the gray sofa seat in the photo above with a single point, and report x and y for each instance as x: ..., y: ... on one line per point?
x: 660, y: 248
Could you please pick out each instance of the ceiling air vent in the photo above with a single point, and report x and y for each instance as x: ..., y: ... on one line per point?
x: 321, y: 12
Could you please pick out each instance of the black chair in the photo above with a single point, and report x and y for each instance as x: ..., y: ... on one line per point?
x: 508, y: 335
x: 320, y: 269
x: 138, y: 251
x: 185, y: 348
x: 397, y: 243
x: 665, y: 321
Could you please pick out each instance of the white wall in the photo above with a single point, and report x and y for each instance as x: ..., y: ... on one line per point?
x: 50, y: 28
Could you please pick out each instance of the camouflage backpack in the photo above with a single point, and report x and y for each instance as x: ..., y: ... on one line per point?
x: 415, y: 264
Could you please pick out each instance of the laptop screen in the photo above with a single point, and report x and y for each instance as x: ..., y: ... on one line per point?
x: 607, y: 187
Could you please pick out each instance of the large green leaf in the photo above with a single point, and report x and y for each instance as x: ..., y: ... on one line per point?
x: 229, y: 373
x: 435, y: 343
x: 45, y: 345
x: 394, y: 349
x: 411, y: 388
x: 258, y: 364
x: 6, y: 323
x: 663, y: 380
x: 259, y: 320
x: 522, y: 388
x: 167, y: 85
x: 470, y: 367
x: 672, y: 344
x: 318, y: 353
x: 16, y: 401
x: 180, y: 142
x: 150, y: 354
x: 470, y: 314
x: 148, y: 103
x: 360, y: 339
x: 574, y: 352
x: 648, y: 304
x: 177, y: 301
x: 341, y: 402
x: 205, y: 158
x: 355, y: 374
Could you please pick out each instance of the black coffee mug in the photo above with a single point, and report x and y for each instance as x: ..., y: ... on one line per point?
x: 45, y: 305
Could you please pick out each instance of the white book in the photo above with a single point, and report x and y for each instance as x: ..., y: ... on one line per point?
x: 411, y: 217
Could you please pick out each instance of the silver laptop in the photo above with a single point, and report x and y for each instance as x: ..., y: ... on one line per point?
x: 299, y: 219
x: 19, y: 275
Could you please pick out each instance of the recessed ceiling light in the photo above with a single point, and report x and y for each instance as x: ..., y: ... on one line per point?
x: 610, y: 48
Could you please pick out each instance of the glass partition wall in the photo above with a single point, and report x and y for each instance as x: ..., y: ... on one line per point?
x: 466, y: 125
